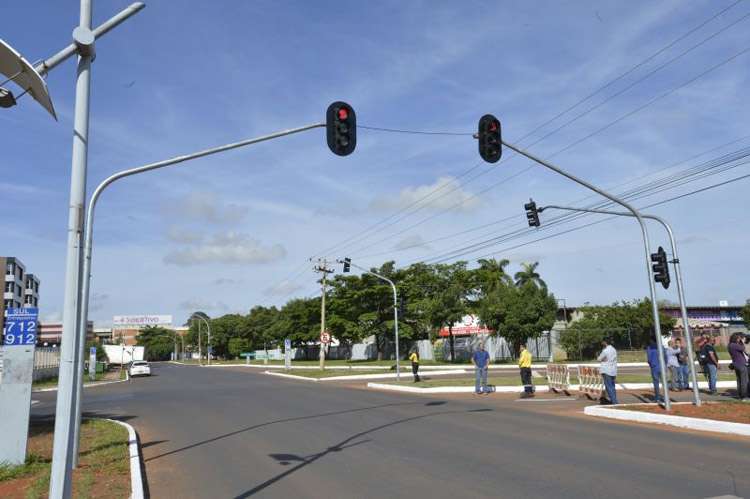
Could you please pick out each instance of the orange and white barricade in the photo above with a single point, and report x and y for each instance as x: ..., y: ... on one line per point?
x: 590, y: 381
x: 558, y: 377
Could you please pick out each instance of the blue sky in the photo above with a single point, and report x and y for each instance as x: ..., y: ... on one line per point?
x: 225, y: 233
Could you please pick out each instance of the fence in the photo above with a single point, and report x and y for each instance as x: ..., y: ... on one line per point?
x: 46, y: 363
x: 558, y: 377
x: 498, y: 348
x: 590, y: 381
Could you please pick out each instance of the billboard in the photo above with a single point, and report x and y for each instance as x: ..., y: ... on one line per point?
x: 136, y: 321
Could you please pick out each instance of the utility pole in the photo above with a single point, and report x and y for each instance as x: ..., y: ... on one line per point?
x: 322, y: 268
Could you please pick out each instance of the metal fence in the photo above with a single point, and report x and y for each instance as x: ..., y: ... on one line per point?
x: 498, y: 348
x: 46, y: 363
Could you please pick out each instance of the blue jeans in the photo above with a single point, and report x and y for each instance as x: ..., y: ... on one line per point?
x: 710, y: 371
x: 656, y: 380
x: 609, y: 385
x: 685, y: 376
x: 480, y: 374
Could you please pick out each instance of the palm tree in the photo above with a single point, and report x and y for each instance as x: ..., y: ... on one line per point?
x: 491, y: 274
x: 529, y: 274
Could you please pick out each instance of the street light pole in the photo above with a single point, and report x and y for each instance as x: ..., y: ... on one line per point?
x: 395, y: 312
x: 678, y: 276
x: 646, y: 247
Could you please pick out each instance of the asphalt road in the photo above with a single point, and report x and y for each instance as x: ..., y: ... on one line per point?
x: 224, y: 432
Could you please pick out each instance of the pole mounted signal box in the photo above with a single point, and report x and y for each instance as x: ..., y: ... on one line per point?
x: 341, y: 128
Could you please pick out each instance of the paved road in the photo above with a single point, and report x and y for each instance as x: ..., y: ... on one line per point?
x: 224, y: 432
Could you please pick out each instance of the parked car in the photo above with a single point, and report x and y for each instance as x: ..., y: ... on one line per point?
x: 139, y: 368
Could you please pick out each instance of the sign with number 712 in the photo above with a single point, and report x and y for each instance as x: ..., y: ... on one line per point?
x: 20, y: 326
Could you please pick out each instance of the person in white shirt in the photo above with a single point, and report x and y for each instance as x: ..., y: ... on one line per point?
x: 608, y: 369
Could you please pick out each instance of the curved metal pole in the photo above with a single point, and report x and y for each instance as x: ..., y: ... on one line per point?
x: 89, y: 230
x: 395, y: 312
x: 208, y: 328
x: 678, y: 276
x: 646, y: 247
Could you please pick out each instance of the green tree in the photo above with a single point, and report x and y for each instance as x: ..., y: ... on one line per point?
x: 528, y: 274
x: 298, y: 320
x: 260, y: 323
x: 225, y: 328
x: 745, y: 313
x: 236, y: 346
x: 449, y: 301
x: 158, y: 342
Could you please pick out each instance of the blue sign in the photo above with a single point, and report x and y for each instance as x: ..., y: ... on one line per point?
x: 20, y: 326
x: 287, y: 344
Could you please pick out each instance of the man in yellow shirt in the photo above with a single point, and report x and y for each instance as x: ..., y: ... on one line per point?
x: 414, y: 358
x: 524, y: 362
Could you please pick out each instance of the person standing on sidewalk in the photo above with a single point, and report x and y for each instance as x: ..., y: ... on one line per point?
x: 524, y: 363
x: 710, y: 362
x: 652, y: 355
x: 414, y: 358
x: 736, y: 349
x: 673, y: 366
x: 481, y: 360
x: 682, y: 358
x: 608, y: 369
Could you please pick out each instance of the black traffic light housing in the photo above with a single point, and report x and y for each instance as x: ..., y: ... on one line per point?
x: 532, y: 213
x: 660, y: 267
x: 341, y: 128
x: 490, y: 138
x: 347, y: 264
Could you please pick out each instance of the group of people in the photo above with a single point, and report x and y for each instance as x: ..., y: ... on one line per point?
x: 677, y: 362
x: 481, y: 361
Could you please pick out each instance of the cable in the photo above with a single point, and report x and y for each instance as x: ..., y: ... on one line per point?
x: 414, y: 132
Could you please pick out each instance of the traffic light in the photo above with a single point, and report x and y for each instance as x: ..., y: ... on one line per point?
x: 347, y: 264
x: 532, y: 213
x: 660, y: 267
x: 490, y: 141
x: 341, y: 128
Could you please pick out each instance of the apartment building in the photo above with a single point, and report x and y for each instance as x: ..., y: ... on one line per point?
x: 20, y: 288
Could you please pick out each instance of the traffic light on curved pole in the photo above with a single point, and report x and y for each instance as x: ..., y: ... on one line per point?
x: 490, y: 138
x: 660, y: 267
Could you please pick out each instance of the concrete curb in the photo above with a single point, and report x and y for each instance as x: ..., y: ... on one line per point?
x: 385, y: 376
x: 517, y: 389
x: 136, y: 479
x: 291, y: 376
x: 89, y: 385
x: 665, y: 419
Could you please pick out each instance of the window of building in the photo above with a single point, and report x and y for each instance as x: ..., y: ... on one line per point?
x: 8, y: 287
x: 10, y: 269
x: 18, y: 290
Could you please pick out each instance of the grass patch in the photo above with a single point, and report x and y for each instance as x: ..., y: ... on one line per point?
x: 103, y: 471
x: 328, y: 373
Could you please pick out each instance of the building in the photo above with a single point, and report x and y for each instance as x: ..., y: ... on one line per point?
x: 50, y: 333
x: 20, y: 289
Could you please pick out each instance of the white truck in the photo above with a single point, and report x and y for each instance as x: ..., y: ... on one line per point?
x: 123, y: 354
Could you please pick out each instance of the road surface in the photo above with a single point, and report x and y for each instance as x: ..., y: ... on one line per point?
x: 229, y: 432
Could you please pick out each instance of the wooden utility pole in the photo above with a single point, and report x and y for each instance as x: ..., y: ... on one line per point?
x: 322, y: 268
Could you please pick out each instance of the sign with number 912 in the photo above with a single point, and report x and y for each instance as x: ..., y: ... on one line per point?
x: 20, y: 326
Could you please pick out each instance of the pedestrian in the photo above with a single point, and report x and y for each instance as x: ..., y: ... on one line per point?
x: 414, y: 358
x: 652, y: 355
x: 608, y: 369
x: 524, y: 363
x: 710, y: 362
x: 481, y: 360
x: 684, y: 360
x: 736, y: 349
x: 673, y: 365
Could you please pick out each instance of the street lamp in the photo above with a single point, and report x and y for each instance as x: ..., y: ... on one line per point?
x: 347, y: 262
x: 208, y: 327
x: 680, y: 290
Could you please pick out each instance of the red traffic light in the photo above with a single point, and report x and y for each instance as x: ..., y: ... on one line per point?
x: 343, y: 113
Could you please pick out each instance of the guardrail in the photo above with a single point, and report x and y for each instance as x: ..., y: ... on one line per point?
x: 558, y: 377
x: 590, y: 382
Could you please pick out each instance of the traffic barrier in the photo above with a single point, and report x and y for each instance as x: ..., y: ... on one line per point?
x: 590, y: 382
x: 558, y: 377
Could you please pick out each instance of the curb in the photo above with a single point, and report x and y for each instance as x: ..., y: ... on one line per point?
x: 291, y: 376
x: 665, y: 419
x: 101, y: 383
x: 136, y: 479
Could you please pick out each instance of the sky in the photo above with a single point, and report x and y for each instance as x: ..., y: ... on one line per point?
x: 225, y: 233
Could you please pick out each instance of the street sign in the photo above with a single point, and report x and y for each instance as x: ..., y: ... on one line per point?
x: 325, y: 337
x: 287, y: 353
x: 287, y: 344
x: 92, y: 363
x: 250, y: 355
x: 20, y: 326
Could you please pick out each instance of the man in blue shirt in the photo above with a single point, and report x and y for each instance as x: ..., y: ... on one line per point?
x: 652, y: 355
x: 481, y: 360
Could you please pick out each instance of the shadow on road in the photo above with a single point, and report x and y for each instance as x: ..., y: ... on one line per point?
x: 279, y: 421
x: 286, y: 459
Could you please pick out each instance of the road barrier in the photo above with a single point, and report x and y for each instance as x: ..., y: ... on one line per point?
x: 590, y: 382
x: 558, y: 377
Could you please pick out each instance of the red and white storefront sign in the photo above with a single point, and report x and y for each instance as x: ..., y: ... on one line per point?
x: 469, y: 325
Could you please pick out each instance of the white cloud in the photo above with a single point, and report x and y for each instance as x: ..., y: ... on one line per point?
x: 204, y: 206
x: 199, y: 305
x: 226, y: 281
x: 228, y: 248
x: 283, y: 288
x: 449, y: 194
x: 184, y: 236
x: 97, y: 301
x: 409, y: 242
